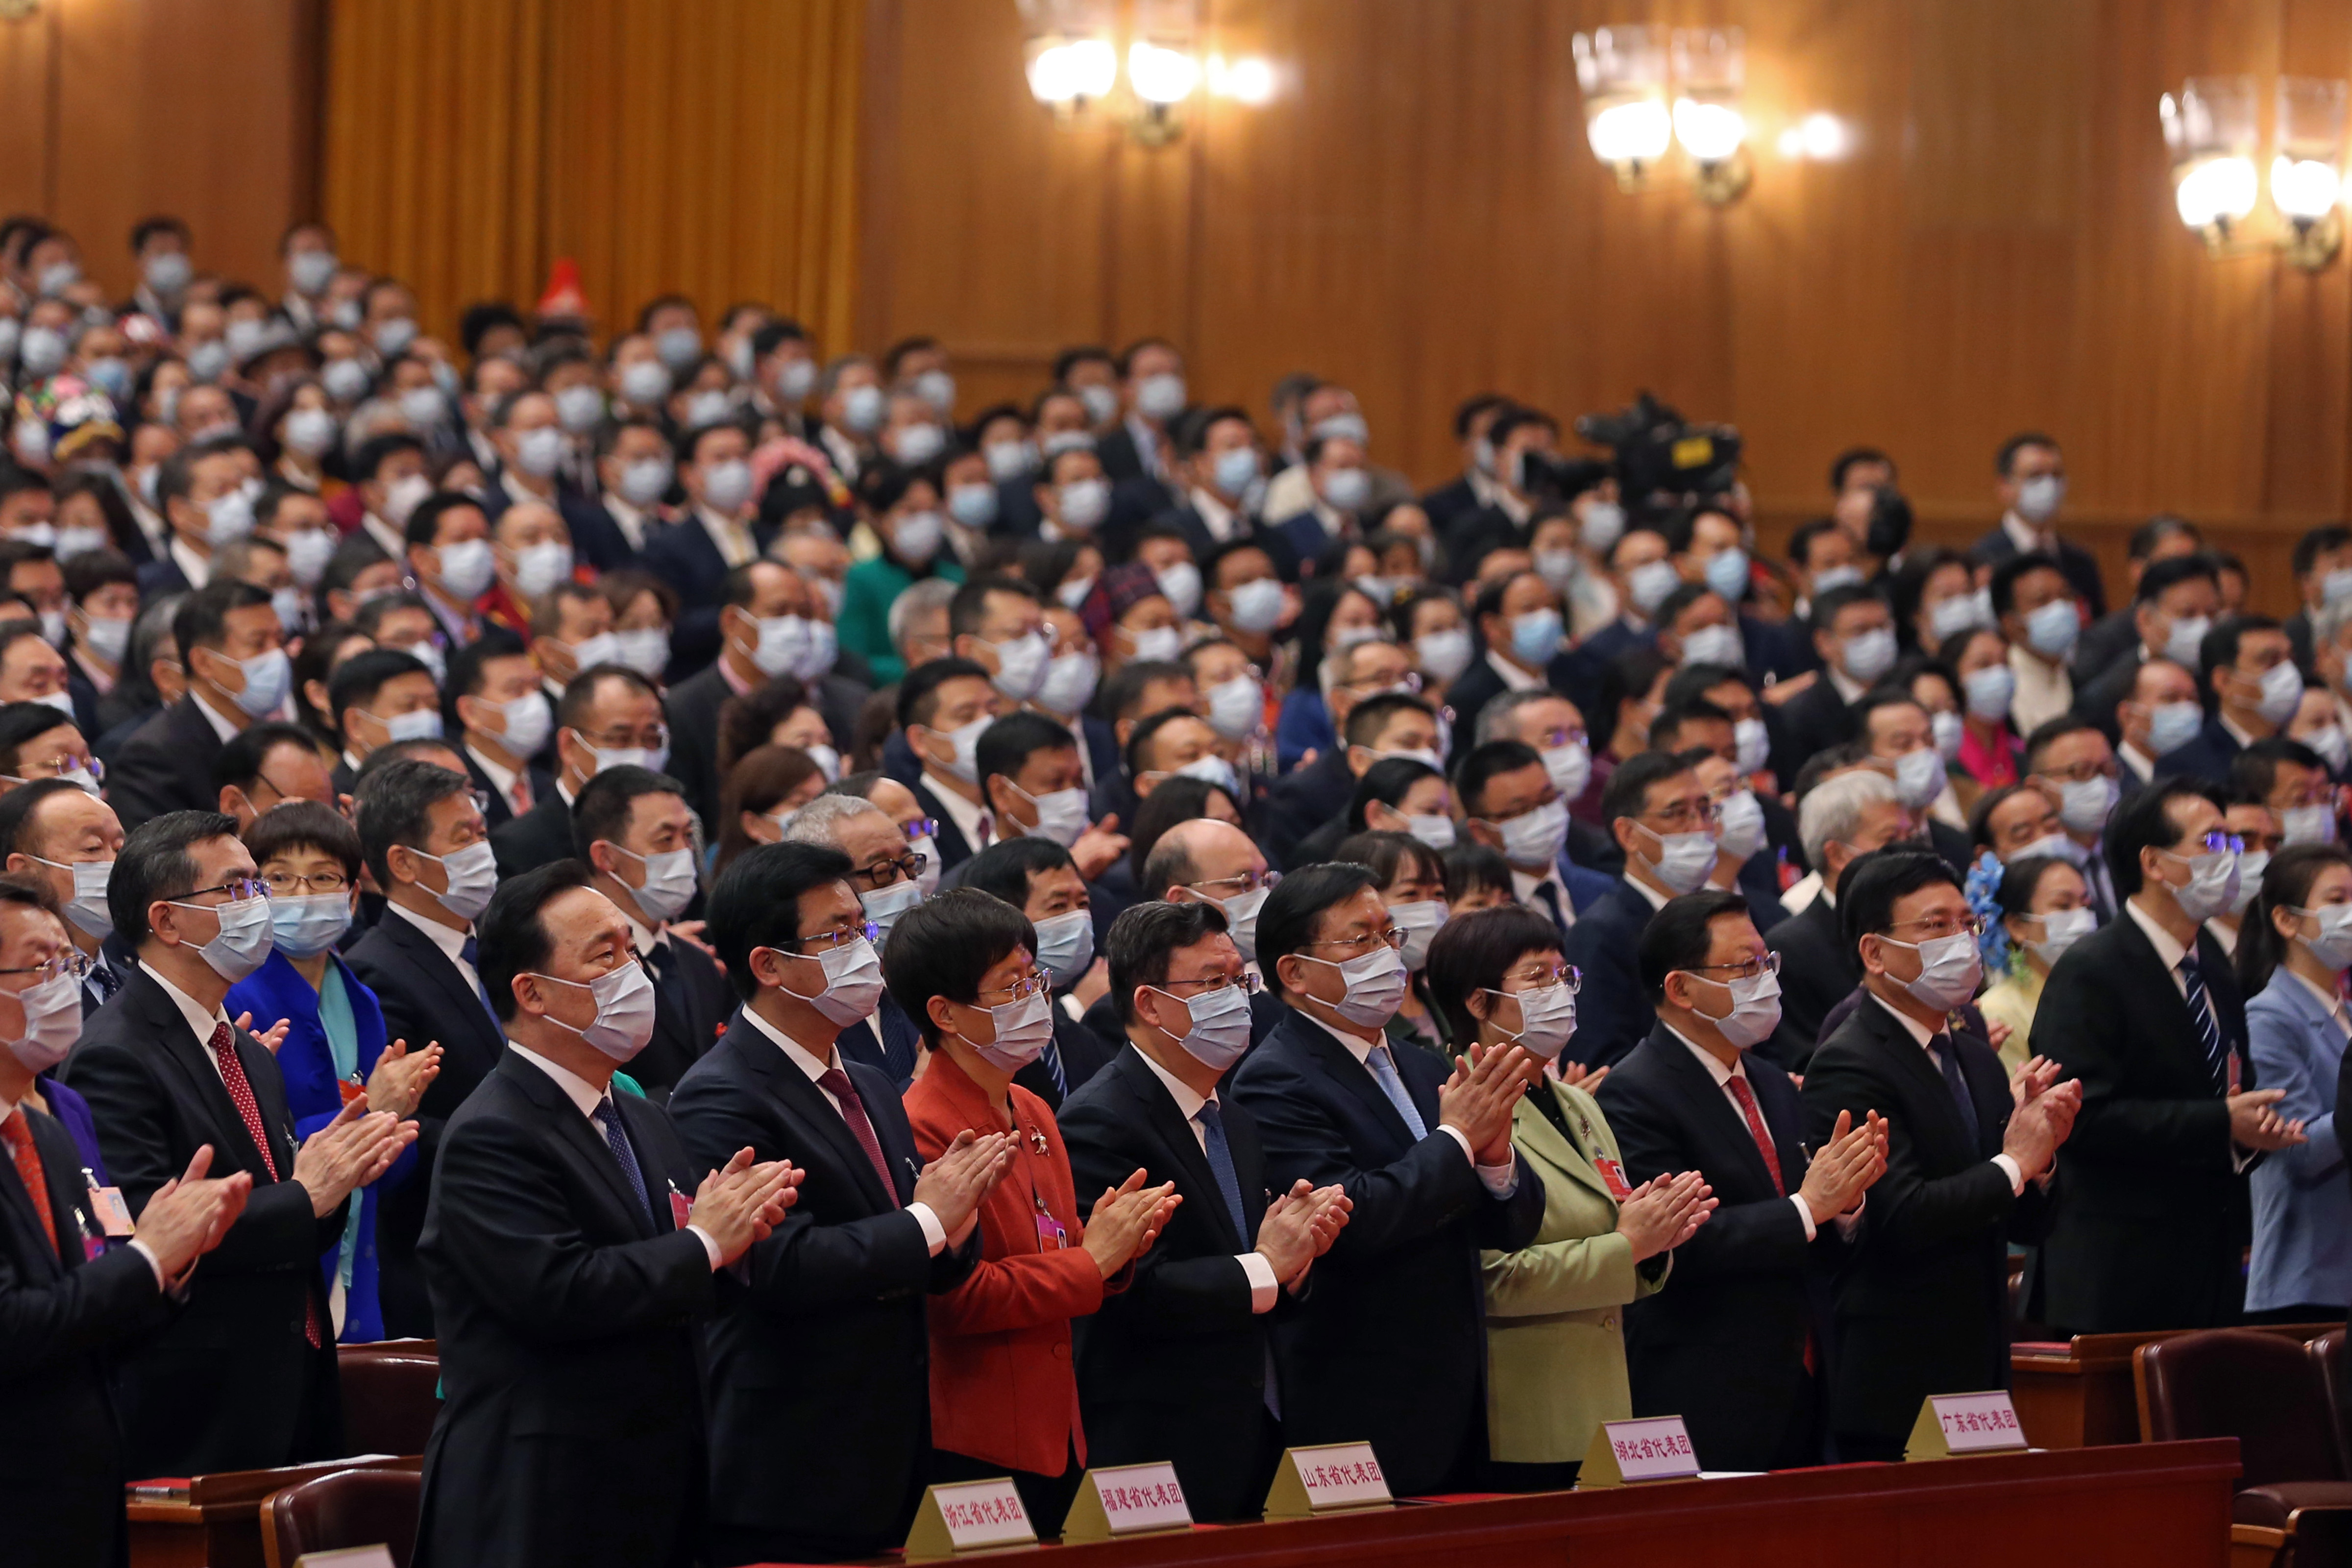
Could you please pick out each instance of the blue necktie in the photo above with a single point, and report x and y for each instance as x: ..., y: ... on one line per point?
x: 2208, y: 1031
x: 1550, y: 897
x: 472, y: 953
x: 1949, y: 1058
x: 1221, y: 1165
x: 607, y: 1118
x: 1385, y: 1073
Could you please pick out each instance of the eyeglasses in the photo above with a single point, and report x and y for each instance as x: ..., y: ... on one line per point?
x: 1038, y: 985
x: 1935, y: 926
x: 2081, y: 773
x: 288, y: 885
x: 826, y: 941
x: 38, y: 768
x: 1248, y: 882
x: 2216, y: 843
x: 921, y: 827
x: 1745, y: 969
x: 885, y: 873
x: 1683, y: 816
x: 1394, y: 936
x: 623, y: 740
x: 1547, y: 977
x: 238, y: 890
x: 1552, y: 740
x: 1249, y: 984
x: 66, y: 963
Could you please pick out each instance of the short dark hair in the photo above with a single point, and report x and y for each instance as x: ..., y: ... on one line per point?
x: 1140, y: 942
x: 1470, y: 954
x: 305, y: 824
x: 20, y: 806
x: 239, y: 761
x: 2175, y: 570
x: 2327, y: 537
x: 918, y: 687
x: 511, y: 939
x: 1139, y: 739
x: 1384, y: 854
x: 1674, y: 716
x: 356, y: 681
x: 424, y: 522
x: 1121, y: 695
x: 2049, y: 733
x: 1677, y: 936
x: 1480, y: 764
x: 154, y: 864
x: 1627, y: 792
x: 970, y: 603
x: 601, y: 808
x: 1010, y: 742
x: 1823, y: 612
x: 1367, y: 719
x: 580, y: 692
x: 202, y: 618
x: 943, y: 945
x: 1388, y: 781
x: 394, y: 804
x: 1172, y: 800
x: 756, y: 903
x: 2003, y: 589
x: 2006, y: 459
x: 2254, y: 771
x: 1286, y: 921
x: 1866, y: 894
x: 468, y: 664
x: 2143, y: 820
x: 1006, y: 867
x: 1472, y: 866
x: 2222, y: 644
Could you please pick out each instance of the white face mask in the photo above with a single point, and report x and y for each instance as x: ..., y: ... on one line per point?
x: 1569, y: 767
x: 883, y: 906
x: 2212, y: 884
x: 540, y: 567
x: 2061, y: 928
x: 669, y: 882
x: 1547, y: 1019
x: 1241, y: 920
x: 306, y: 927
x: 53, y: 1022
x: 625, y: 1011
x: 244, y: 941
x: 1741, y: 818
x: 1066, y: 945
x: 1949, y: 969
x: 1375, y: 986
x: 2308, y: 823
x: 1236, y: 707
x: 1443, y: 655
x: 1158, y: 644
x: 472, y: 874
x: 1755, y: 1009
x: 1754, y: 743
x: 1419, y: 922
x: 1682, y: 859
x: 527, y: 721
x: 88, y: 908
x: 1257, y: 606
x: 2333, y: 945
x: 2038, y: 497
x: 1919, y: 777
x: 1022, y: 1029
x: 1061, y: 813
x: 1437, y: 832
x: 466, y: 568
x: 1536, y: 837
x: 965, y: 765
x: 1218, y: 1029
x: 1021, y: 665
x: 1070, y: 681
x: 853, y: 981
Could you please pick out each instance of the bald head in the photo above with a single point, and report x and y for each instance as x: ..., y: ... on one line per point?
x: 1200, y: 850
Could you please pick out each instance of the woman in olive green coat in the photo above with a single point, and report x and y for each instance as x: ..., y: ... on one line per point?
x: 1555, y: 1309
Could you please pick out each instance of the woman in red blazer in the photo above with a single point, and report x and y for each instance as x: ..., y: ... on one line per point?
x: 1004, y: 1391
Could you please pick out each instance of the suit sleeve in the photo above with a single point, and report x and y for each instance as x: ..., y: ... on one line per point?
x: 135, y: 1118
x: 804, y: 1267
x: 1910, y: 1211
x: 2081, y: 1025
x: 1608, y: 1019
x: 1571, y: 1276
x: 1170, y: 1296
x: 1010, y: 1287
x: 1737, y: 1238
x: 2279, y: 1047
x: 1397, y: 1204
x: 139, y: 784
x: 505, y: 1222
x: 112, y: 1296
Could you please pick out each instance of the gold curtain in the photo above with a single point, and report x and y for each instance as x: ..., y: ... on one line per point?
x: 706, y: 149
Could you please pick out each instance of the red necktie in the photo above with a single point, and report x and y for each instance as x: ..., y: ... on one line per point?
x: 853, y: 1111
x: 522, y: 795
x: 240, y: 1093
x: 17, y: 1133
x: 1746, y: 1097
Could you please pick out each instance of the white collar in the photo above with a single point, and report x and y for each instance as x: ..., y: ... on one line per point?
x: 1911, y: 1027
x: 518, y: 491
x: 2137, y: 761
x: 1657, y: 899
x: 200, y: 1021
x: 1707, y: 1059
x: 644, y: 937
x: 2225, y: 935
x: 1850, y: 690
x: 2168, y: 952
x: 964, y: 814
x: 451, y: 942
x: 1524, y: 887
x: 2332, y: 1005
x: 390, y: 539
x: 585, y: 1096
x: 503, y: 777
x: 1360, y: 1049
x: 1187, y: 1099
x: 1514, y: 678
x: 2243, y: 737
x: 2027, y: 539
x: 227, y: 729
x: 811, y: 1064
x: 1215, y: 515
x: 193, y: 567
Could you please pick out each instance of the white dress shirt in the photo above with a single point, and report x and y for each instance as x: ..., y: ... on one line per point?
x: 1502, y: 1181
x: 1927, y: 1042
x: 1223, y: 523
x: 2044, y: 690
x: 813, y: 1067
x: 731, y: 535
x: 227, y: 729
x: 503, y: 781
x: 391, y: 540
x: 632, y: 522
x: 2169, y: 953
x: 1264, y: 1288
x: 1524, y: 888
x: 450, y: 940
x: 967, y: 814
x: 1514, y: 678
x: 195, y: 568
x: 2143, y: 766
x: 587, y: 1097
x: 2028, y: 539
x: 1738, y: 1069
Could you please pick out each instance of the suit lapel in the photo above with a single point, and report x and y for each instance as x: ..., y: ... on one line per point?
x: 1910, y: 1063
x: 586, y: 1141
x: 163, y: 1018
x: 1164, y: 1122
x: 1713, y: 1108
x: 797, y: 1094
x: 2149, y: 972
x: 436, y: 967
x: 1356, y: 1077
x: 1534, y: 1132
x: 26, y: 1218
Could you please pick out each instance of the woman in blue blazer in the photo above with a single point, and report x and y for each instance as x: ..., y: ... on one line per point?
x: 335, y: 1043
x: 2294, y: 947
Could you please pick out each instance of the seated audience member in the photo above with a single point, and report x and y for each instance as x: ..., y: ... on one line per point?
x: 1425, y: 1158
x: 2293, y: 954
x: 2246, y: 672
x: 1631, y: 693
x: 1033, y: 787
x: 37, y: 741
x: 1412, y: 881
x: 2071, y: 762
x: 1923, y: 1307
x: 609, y: 715
x: 944, y: 707
x: 870, y: 1236
x: 1555, y: 727
x: 503, y: 721
x: 424, y: 843
x: 1662, y: 819
x: 1180, y: 1365
x: 2042, y: 907
x: 1003, y: 1394
x: 1038, y: 878
x: 902, y: 506
x: 1841, y: 820
x: 1555, y: 1355
x: 374, y: 698
x: 1736, y: 1344
x: 630, y: 827
x: 229, y: 644
x: 1129, y: 695
x: 884, y: 874
x: 565, y: 1293
x: 1900, y: 738
x: 58, y: 833
x: 308, y: 857
x: 760, y: 638
x: 1525, y: 636
x: 1173, y: 802
x: 1854, y: 637
x: 765, y: 790
x: 1989, y: 750
x: 243, y: 1376
x: 2173, y: 605
x: 2116, y: 635
x: 2146, y: 1012
x: 1476, y: 878
x: 2159, y: 714
x: 103, y: 606
x: 264, y: 767
x: 75, y: 1305
x: 1510, y: 802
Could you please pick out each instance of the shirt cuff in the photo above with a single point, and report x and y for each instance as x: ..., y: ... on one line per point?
x: 935, y: 1235
x: 1804, y: 1213
x: 2239, y: 1158
x: 1500, y: 1181
x: 2016, y: 1173
x: 709, y: 1246
x: 1264, y: 1287
x: 147, y: 1252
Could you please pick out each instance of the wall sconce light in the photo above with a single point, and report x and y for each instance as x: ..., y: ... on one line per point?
x: 1625, y: 72
x: 2212, y: 131
x: 1073, y: 62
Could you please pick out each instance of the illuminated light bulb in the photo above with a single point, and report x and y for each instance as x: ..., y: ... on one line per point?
x: 2219, y: 190
x: 2303, y: 188
x: 1634, y: 132
x: 1251, y: 81
x: 1709, y: 133
x: 1075, y: 69
x: 1159, y: 74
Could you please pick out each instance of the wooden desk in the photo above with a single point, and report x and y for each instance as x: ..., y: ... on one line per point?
x: 2083, y: 1397
x: 2156, y: 1505
x: 220, y: 1524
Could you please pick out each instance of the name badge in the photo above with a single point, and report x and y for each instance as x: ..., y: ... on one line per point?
x: 1965, y: 1423
x: 969, y: 1516
x: 1653, y: 1449
x: 681, y: 1209
x: 1126, y: 1499
x: 1327, y: 1480
x: 113, y: 1214
x: 1613, y: 1173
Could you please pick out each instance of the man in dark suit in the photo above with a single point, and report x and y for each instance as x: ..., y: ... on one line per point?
x: 2032, y: 485
x: 191, y: 486
x: 1841, y: 819
x: 1037, y: 876
x: 567, y: 1265
x: 492, y: 703
x: 71, y: 1301
x: 2251, y: 686
x: 826, y: 1331
x: 1218, y: 462
x: 54, y: 831
x: 719, y: 531
x: 1854, y: 637
x: 1180, y: 1365
x: 762, y: 629
x: 243, y: 1377
x: 2173, y: 607
x: 530, y: 469
x: 883, y: 872
x: 1474, y: 418
x: 633, y: 828
x: 609, y: 715
x: 1513, y: 806
x: 231, y: 646
x: 1390, y: 1346
x: 1203, y: 860
x: 1525, y: 632
x: 2164, y: 537
x: 425, y: 844
x: 1923, y: 1307
x: 2146, y: 1011
x: 944, y: 706
x: 2322, y: 553
x: 1371, y: 717
x: 1151, y: 394
x: 1659, y: 814
x: 1738, y: 1347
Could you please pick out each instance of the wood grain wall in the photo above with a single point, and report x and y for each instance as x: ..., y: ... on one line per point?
x: 113, y: 109
x: 1416, y: 215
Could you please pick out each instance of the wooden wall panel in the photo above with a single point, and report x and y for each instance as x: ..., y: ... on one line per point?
x: 1417, y: 216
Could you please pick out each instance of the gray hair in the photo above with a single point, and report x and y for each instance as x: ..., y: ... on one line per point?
x: 920, y: 599
x: 819, y: 822
x: 1834, y: 809
x: 1502, y: 705
x: 1336, y: 664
